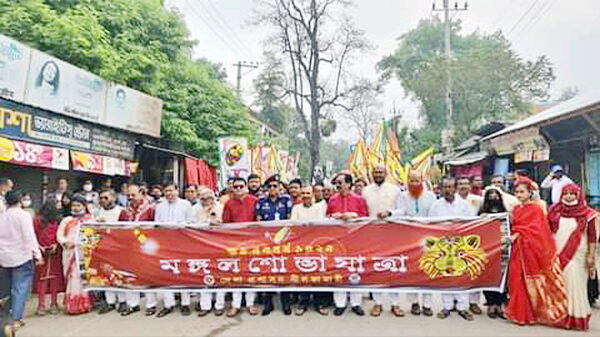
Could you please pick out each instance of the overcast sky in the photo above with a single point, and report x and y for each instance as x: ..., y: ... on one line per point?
x: 568, y: 32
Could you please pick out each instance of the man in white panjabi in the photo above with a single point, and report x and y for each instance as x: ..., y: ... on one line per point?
x: 380, y: 197
x: 208, y: 212
x: 416, y: 201
x: 474, y: 201
x: 448, y: 206
x: 172, y: 210
x: 109, y: 212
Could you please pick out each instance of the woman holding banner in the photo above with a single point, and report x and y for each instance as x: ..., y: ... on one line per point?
x: 77, y: 301
x: 574, y: 226
x: 537, y: 293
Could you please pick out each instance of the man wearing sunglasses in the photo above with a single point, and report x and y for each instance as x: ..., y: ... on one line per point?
x: 346, y: 205
x: 274, y: 206
x: 240, y: 208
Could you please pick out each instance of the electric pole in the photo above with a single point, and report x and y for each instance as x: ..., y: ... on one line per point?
x: 239, y: 65
x: 448, y: 134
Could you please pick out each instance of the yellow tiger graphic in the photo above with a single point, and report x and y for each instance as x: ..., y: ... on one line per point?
x: 453, y: 256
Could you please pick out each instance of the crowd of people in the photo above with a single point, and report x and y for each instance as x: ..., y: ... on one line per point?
x: 553, y: 246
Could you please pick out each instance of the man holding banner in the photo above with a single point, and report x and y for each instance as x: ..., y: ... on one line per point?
x: 416, y: 202
x: 449, y: 206
x: 346, y: 205
x: 240, y: 208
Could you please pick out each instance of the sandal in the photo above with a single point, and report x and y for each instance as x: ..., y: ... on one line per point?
x: 443, y: 314
x: 324, y: 311
x: 397, y: 311
x: 376, y: 310
x: 466, y: 315
x: 40, y: 312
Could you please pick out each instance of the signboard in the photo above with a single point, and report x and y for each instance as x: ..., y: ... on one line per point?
x: 61, y: 87
x: 235, y: 162
x: 94, y: 163
x: 14, y: 64
x: 23, y: 153
x: 132, y: 110
x: 21, y: 122
x: 519, y: 141
x: 406, y: 255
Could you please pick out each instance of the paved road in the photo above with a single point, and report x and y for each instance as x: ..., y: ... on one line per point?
x: 311, y: 324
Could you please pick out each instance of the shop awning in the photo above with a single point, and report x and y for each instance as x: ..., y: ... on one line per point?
x: 166, y: 150
x: 468, y: 158
x: 578, y: 104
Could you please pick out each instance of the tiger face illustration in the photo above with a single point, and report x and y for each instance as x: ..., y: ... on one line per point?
x: 453, y: 256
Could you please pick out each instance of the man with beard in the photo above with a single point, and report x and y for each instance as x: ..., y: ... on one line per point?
x: 328, y: 191
x: 493, y: 203
x: 474, y: 201
x: 309, y: 210
x: 138, y: 209
x: 380, y: 197
x: 274, y: 207
x: 254, y: 185
x: 110, y: 212
x: 451, y: 206
x: 415, y: 202
x: 346, y: 205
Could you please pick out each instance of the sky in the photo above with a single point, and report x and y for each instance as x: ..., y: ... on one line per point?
x: 568, y: 32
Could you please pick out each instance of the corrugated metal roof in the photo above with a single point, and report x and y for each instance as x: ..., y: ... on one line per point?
x: 574, y: 104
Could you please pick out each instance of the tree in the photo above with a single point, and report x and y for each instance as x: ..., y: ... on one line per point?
x: 269, y: 92
x: 489, y: 79
x: 568, y: 93
x: 144, y: 46
x: 366, y: 109
x: 317, y: 47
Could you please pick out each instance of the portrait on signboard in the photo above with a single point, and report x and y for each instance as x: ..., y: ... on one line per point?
x: 48, y: 78
x: 121, y: 99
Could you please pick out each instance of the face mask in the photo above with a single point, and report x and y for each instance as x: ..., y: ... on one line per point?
x: 78, y: 213
x: 26, y: 203
x: 87, y: 187
x: 570, y: 203
x: 156, y: 197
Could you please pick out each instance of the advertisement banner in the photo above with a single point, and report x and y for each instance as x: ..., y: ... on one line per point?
x: 235, y: 162
x: 61, y: 87
x: 88, y: 162
x: 23, y: 153
x: 395, y: 255
x: 132, y: 110
x: 14, y: 63
x: 25, y: 123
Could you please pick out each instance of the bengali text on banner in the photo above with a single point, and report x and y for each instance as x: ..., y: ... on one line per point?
x: 387, y: 255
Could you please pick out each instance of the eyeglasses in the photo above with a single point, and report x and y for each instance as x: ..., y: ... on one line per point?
x: 104, y: 198
x: 238, y: 187
x: 273, y: 186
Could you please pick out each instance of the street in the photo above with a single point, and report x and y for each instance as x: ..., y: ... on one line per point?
x: 311, y: 324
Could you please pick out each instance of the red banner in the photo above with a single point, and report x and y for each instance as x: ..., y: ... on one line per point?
x: 28, y: 154
x: 442, y: 255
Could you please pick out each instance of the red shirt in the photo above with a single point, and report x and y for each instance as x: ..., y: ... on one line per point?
x: 144, y: 212
x: 350, y: 203
x: 240, y: 210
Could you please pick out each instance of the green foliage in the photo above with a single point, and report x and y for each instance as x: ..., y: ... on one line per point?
x: 142, y: 45
x: 489, y: 80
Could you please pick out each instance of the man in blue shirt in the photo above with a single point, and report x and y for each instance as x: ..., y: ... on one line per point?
x: 273, y: 207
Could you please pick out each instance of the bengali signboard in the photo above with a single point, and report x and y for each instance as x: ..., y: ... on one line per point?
x: 25, y: 123
x: 23, y: 153
x: 132, y: 110
x: 59, y: 86
x: 94, y: 163
x: 14, y: 64
x: 406, y: 254
x: 235, y: 161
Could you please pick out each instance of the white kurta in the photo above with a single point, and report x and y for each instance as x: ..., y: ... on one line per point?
x: 380, y: 198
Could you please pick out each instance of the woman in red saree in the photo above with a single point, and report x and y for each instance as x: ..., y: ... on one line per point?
x: 49, y: 276
x: 574, y: 226
x: 537, y: 293
x: 77, y: 301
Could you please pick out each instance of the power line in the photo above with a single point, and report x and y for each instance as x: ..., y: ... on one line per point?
x: 228, y: 27
x: 523, y: 16
x: 221, y: 27
x: 217, y: 34
x: 535, y: 19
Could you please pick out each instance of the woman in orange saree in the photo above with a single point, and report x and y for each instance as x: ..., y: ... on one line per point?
x: 537, y: 292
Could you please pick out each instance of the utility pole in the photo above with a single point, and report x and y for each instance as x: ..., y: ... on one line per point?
x: 239, y: 65
x: 448, y: 134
